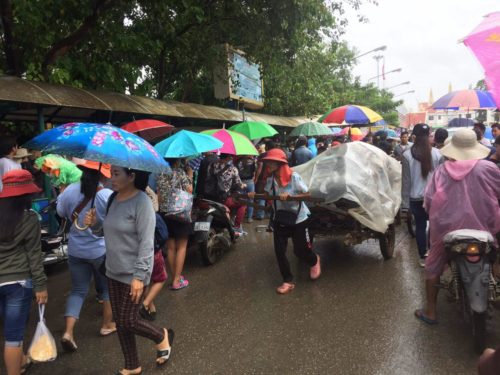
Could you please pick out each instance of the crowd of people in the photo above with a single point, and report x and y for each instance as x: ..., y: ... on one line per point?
x: 121, y: 225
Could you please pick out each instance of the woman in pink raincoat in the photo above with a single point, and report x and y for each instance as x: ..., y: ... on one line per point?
x: 462, y: 194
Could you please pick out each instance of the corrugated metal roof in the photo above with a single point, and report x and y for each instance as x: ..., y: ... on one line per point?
x: 20, y: 98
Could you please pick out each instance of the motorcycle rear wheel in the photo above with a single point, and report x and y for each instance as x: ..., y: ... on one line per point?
x: 479, y: 331
x: 212, y: 249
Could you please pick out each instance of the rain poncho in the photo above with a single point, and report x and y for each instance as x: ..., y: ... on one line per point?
x: 460, y: 195
x: 311, y: 145
x: 360, y: 173
x: 60, y: 170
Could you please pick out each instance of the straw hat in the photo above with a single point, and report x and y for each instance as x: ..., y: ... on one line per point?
x: 464, y: 146
x: 18, y: 182
x: 21, y: 153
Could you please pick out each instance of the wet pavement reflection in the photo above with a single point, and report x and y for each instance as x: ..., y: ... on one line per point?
x: 356, y: 319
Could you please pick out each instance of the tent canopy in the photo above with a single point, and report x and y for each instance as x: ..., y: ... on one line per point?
x: 21, y: 100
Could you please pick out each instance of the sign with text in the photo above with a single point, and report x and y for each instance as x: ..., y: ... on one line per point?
x: 241, y: 80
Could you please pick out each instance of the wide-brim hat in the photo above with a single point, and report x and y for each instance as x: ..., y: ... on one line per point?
x: 21, y: 153
x: 105, y: 169
x: 18, y: 182
x: 276, y: 154
x: 464, y: 146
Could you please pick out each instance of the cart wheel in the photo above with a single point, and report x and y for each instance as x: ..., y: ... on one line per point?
x: 387, y: 242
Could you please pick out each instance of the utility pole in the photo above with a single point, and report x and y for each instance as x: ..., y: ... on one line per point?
x: 378, y: 58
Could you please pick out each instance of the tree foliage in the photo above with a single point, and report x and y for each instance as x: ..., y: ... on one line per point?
x: 169, y: 49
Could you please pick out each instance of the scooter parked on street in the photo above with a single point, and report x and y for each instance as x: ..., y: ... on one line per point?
x: 54, y: 246
x: 472, y: 284
x: 213, y: 230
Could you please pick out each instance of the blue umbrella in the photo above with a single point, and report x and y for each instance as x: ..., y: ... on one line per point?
x: 392, y: 133
x: 488, y: 134
x: 186, y: 143
x: 336, y: 130
x: 102, y: 143
x: 380, y: 123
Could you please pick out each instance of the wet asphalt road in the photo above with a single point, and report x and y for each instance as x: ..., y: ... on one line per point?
x: 357, y: 319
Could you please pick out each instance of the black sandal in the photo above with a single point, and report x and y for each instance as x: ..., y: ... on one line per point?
x: 146, y: 314
x: 68, y: 344
x: 26, y: 366
x: 165, y: 354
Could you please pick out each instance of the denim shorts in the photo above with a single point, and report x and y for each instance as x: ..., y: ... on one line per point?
x: 15, y: 305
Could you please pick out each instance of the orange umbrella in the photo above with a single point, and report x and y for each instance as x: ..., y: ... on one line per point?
x: 354, y: 133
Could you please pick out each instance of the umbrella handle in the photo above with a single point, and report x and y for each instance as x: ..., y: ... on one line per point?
x: 92, y: 205
x: 77, y: 226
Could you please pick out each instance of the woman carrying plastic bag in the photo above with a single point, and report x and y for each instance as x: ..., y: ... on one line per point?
x: 21, y: 268
x: 43, y: 346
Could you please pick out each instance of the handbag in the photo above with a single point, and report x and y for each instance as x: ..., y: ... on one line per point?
x: 284, y: 217
x: 179, y: 203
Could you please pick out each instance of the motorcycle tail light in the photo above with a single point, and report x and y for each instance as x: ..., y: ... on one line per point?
x: 473, y: 249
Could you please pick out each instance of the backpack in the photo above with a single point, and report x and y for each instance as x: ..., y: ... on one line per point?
x: 161, y: 230
x: 161, y: 233
x: 246, y: 169
x: 212, y: 188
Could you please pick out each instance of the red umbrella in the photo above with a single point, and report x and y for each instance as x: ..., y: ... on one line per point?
x: 148, y: 129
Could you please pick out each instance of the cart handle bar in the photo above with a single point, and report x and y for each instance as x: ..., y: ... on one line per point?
x: 291, y: 198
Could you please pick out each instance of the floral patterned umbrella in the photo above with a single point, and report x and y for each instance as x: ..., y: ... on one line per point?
x: 103, y: 143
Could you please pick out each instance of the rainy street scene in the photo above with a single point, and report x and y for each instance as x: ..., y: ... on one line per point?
x: 240, y: 187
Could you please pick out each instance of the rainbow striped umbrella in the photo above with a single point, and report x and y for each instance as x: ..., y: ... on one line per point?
x: 350, y: 114
x: 468, y: 99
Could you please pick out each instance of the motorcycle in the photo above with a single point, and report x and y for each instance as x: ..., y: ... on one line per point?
x: 472, y: 284
x: 54, y: 246
x: 213, y: 232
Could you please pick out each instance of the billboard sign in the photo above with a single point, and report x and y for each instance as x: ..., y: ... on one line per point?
x: 241, y: 81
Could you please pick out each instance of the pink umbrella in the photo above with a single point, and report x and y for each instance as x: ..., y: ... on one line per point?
x: 234, y: 143
x: 484, y: 41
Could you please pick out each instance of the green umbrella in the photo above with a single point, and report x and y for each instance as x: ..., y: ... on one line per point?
x: 254, y: 129
x: 311, y: 129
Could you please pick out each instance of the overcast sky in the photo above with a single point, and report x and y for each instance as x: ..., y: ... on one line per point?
x: 422, y: 39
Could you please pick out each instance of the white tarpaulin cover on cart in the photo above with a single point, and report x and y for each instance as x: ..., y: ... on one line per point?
x: 361, y: 173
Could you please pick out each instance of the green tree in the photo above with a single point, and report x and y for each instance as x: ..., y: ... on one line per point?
x: 169, y: 49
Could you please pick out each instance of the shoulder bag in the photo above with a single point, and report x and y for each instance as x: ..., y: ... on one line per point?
x: 179, y: 203
x: 284, y: 217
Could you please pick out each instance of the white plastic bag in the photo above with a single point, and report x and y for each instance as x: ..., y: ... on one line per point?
x: 43, y: 346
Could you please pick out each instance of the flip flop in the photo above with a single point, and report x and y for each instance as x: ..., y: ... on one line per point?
x: 68, y: 344
x: 420, y: 315
x: 285, y: 288
x: 107, y: 331
x: 26, y: 366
